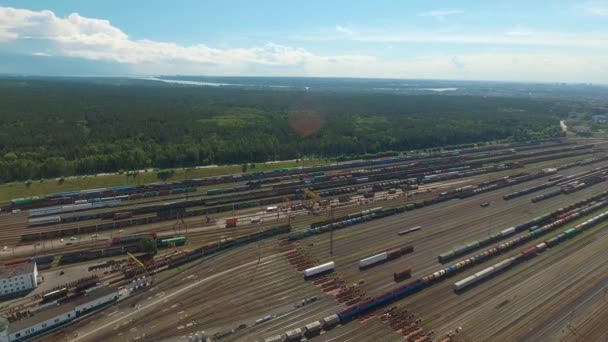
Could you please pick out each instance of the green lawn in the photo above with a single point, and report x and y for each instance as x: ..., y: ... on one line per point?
x: 17, y: 190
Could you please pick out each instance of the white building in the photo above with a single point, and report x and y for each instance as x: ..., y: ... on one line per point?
x: 54, y: 317
x: 3, y: 330
x: 43, y: 321
x: 18, y: 278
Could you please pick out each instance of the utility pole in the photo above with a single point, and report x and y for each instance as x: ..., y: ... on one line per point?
x: 331, y: 232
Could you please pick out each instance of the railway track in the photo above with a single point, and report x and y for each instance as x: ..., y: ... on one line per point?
x: 531, y: 296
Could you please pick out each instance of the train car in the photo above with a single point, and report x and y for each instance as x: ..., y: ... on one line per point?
x: 122, y: 215
x: 42, y: 259
x: 398, y: 276
x: 176, y: 241
x: 319, y: 269
x: 330, y: 321
x: 131, y: 238
x: 397, y: 252
x: 38, y: 221
x: 54, y: 295
x: 231, y: 222
x: 372, y: 260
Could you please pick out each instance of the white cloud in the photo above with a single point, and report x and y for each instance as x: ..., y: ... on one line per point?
x: 441, y: 13
x: 599, y: 8
x: 96, y: 39
x: 41, y: 54
x: 343, y: 29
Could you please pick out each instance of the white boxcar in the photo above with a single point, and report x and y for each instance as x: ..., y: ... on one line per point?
x: 372, y: 260
x: 326, y: 267
x: 464, y: 283
x: 485, y: 272
x: 503, y: 264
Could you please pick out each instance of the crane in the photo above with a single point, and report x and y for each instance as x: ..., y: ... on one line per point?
x: 142, y: 266
x: 312, y: 199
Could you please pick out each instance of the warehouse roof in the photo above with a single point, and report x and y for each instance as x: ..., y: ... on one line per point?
x: 38, y: 318
x: 93, y: 295
x: 56, y: 311
x: 17, y: 270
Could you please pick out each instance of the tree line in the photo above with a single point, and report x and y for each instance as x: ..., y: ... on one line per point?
x: 53, y: 128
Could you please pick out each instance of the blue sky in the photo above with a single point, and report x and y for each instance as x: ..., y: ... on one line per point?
x: 563, y: 41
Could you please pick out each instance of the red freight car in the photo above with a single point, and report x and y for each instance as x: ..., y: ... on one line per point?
x: 398, y: 276
x: 529, y: 252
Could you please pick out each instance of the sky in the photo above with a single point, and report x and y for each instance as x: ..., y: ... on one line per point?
x: 547, y: 41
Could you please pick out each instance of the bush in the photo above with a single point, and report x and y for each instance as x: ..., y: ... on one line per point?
x: 148, y: 245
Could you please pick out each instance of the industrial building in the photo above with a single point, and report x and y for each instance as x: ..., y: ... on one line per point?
x: 54, y: 317
x: 18, y: 278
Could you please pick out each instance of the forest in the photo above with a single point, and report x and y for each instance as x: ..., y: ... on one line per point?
x: 62, y: 127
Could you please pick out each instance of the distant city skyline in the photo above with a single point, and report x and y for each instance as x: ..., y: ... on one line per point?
x: 557, y: 41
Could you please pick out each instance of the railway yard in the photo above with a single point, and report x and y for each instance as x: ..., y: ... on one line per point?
x: 496, y: 243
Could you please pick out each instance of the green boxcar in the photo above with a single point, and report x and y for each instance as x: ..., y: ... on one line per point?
x: 446, y: 256
x: 177, y: 241
x: 214, y: 191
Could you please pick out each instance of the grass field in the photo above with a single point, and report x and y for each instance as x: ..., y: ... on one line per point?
x: 17, y: 190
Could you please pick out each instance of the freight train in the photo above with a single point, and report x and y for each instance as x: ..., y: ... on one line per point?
x: 342, y: 222
x: 497, y: 236
x: 263, y: 195
x: 528, y: 252
x: 224, y: 245
x: 258, y: 177
x: 176, y: 209
x: 419, y: 284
